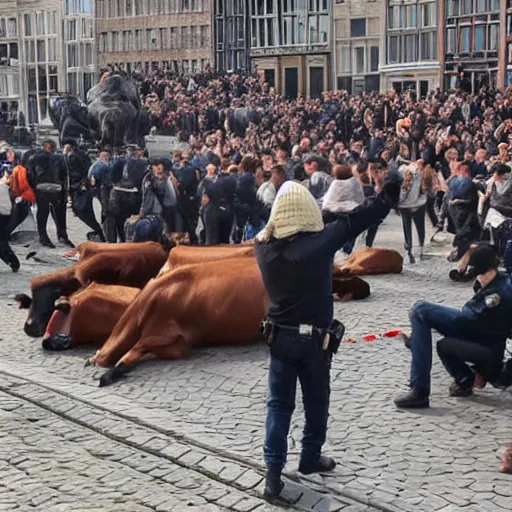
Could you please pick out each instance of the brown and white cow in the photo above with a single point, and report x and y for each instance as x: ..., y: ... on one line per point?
x: 88, y: 316
x: 367, y: 261
x: 218, y: 302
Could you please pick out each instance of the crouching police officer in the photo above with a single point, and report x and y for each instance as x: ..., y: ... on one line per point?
x: 476, y: 334
x: 295, y: 254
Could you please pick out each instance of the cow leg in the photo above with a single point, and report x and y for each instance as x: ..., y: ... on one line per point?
x: 161, y: 347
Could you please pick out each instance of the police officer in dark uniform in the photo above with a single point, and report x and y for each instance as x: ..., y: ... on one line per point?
x: 218, y: 208
x: 126, y: 196
x: 188, y: 180
x: 477, y: 333
x: 295, y: 253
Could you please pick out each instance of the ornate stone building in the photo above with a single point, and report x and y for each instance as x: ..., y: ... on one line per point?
x: 46, y: 49
x: 230, y: 33
x: 291, y: 43
x: 410, y: 45
x: 357, y: 29
x: 146, y: 34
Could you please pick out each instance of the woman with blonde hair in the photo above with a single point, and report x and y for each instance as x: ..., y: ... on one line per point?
x: 419, y: 181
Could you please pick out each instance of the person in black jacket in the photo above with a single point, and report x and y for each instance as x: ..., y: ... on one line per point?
x: 218, y: 208
x: 77, y: 166
x: 295, y: 254
x: 188, y: 206
x: 125, y: 199
x: 54, y: 203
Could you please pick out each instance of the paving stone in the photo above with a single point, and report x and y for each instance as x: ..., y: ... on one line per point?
x: 217, y: 398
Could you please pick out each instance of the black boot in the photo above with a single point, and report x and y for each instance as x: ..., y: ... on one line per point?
x: 46, y: 242
x: 504, y: 380
x: 273, y: 486
x: 463, y: 388
x: 320, y: 465
x: 415, y: 399
x: 407, y: 341
x: 64, y: 240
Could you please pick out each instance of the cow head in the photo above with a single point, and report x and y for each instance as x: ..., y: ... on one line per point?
x: 45, y: 291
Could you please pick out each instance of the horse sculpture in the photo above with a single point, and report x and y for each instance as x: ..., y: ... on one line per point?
x: 113, y: 116
x: 116, y: 115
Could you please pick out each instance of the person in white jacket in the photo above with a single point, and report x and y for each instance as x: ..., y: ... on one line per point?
x: 344, y: 194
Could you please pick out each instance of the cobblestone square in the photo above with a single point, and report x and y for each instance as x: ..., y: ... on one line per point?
x: 187, y: 435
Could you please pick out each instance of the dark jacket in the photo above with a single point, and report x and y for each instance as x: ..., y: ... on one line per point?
x: 485, y: 321
x: 77, y: 165
x: 297, y: 271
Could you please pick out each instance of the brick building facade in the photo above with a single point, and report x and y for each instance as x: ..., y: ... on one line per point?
x: 146, y: 34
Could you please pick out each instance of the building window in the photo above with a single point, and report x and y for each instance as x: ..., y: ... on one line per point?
x: 263, y: 16
x: 428, y: 46
x: 411, y: 31
x: 345, y: 59
x: 52, y: 50
x: 374, y: 58
x: 71, y: 30
x: 27, y: 24
x: 88, y: 50
x: 115, y: 41
x: 103, y: 42
x: 359, y: 64
x: 394, y: 49
x: 73, y: 55
x: 476, y: 24
x: 12, y: 27
x: 358, y: 27
x: 40, y: 24
x: 87, y: 29
x: 465, y: 39
x: 41, y: 50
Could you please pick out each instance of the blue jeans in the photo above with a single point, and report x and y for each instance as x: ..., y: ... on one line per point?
x: 424, y: 317
x: 293, y: 356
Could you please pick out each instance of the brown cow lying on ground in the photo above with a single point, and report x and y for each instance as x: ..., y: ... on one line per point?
x: 367, y: 261
x: 345, y: 287
x: 219, y: 302
x: 183, y: 255
x: 88, y: 316
x: 121, y: 264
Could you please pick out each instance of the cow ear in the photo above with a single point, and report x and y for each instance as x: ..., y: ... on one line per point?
x: 23, y: 300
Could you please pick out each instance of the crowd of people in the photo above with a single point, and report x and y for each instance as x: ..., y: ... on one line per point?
x: 452, y: 150
x: 445, y: 156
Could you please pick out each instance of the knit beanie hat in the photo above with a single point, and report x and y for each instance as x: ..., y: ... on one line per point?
x: 294, y: 211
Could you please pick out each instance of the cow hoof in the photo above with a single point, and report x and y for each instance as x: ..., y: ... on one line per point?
x: 57, y: 342
x: 112, y: 375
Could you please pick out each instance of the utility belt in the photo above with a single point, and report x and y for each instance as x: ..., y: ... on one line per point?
x: 330, y: 338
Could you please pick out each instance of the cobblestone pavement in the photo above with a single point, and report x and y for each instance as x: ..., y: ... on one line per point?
x: 213, y: 406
